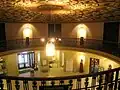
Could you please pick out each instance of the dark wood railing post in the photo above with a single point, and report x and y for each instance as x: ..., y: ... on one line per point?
x: 116, y: 79
x: 86, y: 83
x: 61, y: 82
x: 70, y: 83
x: 1, y: 84
x: 17, y: 85
x: 34, y: 85
x: 43, y: 83
x: 118, y: 85
x: 52, y: 83
x: 106, y: 81
x: 111, y: 75
x: 93, y: 83
x: 100, y: 83
x: 25, y: 85
x: 9, y: 85
x: 79, y: 84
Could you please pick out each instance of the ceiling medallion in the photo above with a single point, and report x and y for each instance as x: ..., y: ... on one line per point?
x: 50, y: 7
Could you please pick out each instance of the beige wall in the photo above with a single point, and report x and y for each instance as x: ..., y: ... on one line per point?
x: 94, y: 31
x: 12, y: 61
x: 15, y: 31
x: 11, y: 64
x: 73, y: 55
x: 103, y: 62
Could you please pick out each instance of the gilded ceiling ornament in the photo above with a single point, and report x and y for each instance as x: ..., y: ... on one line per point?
x: 59, y: 10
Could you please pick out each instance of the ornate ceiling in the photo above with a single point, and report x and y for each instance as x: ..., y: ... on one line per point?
x: 59, y: 10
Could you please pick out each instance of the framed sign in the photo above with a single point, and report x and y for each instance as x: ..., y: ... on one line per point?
x: 94, y: 63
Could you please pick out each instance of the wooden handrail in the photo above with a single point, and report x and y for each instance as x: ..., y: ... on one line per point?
x: 110, y: 47
x: 69, y: 42
x: 66, y: 39
x: 58, y: 78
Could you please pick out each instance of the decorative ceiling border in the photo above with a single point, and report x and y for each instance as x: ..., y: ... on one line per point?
x: 82, y: 11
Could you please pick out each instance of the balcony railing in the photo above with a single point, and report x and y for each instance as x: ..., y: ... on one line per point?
x: 105, y: 46
x: 106, y: 80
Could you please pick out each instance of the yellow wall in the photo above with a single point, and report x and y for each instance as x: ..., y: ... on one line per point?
x: 14, y: 31
x: 103, y: 62
x: 12, y: 61
x: 73, y: 55
x: 95, y: 30
x: 11, y: 64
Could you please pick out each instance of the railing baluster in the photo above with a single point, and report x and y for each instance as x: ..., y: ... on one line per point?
x: 61, y: 82
x: 17, y: 85
x: 9, y: 85
x: 86, y: 83
x: 93, y: 84
x: 111, y: 75
x: 111, y: 86
x: 1, y: 84
x: 106, y: 81
x: 116, y: 79
x: 25, y: 85
x: 52, y: 83
x: 43, y: 83
x: 70, y: 83
x: 100, y: 83
x: 118, y: 85
x: 34, y: 85
x: 79, y: 84
x: 112, y: 82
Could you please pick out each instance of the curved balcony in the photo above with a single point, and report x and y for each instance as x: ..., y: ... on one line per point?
x: 106, y: 80
x: 100, y: 45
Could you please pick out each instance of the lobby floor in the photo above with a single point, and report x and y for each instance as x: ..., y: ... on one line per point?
x: 53, y: 72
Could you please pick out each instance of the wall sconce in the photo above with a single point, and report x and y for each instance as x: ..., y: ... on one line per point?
x: 59, y: 39
x: 27, y: 32
x: 82, y: 57
x: 82, y: 32
x: 42, y: 39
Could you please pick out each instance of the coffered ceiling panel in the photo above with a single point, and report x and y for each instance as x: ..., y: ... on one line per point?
x: 59, y: 10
